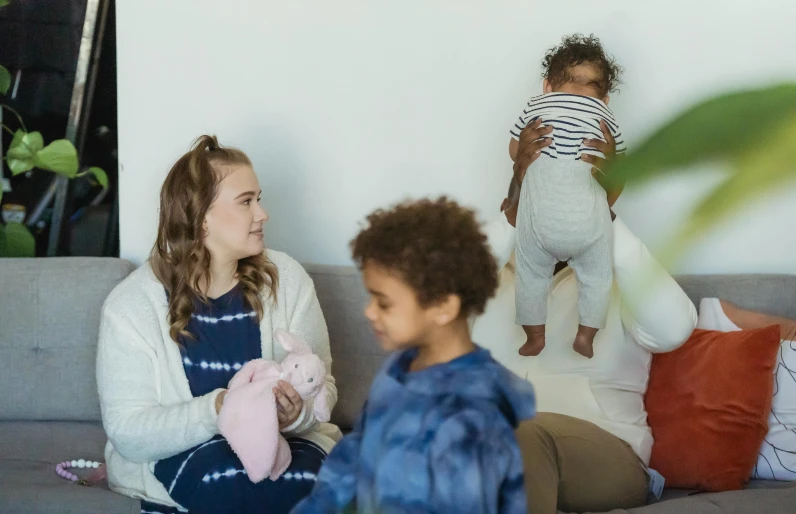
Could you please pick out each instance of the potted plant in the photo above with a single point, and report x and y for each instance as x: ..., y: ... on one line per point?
x: 26, y: 152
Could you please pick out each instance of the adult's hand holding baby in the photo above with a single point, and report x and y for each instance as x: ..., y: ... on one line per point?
x: 529, y: 147
x: 608, y: 148
x: 532, y: 141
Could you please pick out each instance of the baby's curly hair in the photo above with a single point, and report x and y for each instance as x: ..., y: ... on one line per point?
x: 436, y: 247
x: 577, y: 49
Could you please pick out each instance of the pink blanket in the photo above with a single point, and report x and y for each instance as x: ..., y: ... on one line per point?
x: 248, y: 417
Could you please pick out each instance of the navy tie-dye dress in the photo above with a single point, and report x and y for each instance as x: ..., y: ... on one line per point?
x: 210, y: 478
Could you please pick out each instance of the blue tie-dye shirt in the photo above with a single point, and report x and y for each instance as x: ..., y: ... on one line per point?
x: 436, y: 440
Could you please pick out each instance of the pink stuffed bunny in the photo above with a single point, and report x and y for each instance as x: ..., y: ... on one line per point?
x: 248, y: 417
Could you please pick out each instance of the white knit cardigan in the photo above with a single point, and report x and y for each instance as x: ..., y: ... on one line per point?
x: 148, y: 410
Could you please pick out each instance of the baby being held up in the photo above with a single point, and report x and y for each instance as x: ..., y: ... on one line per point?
x: 563, y: 211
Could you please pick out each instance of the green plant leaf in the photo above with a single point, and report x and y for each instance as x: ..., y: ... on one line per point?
x: 724, y: 127
x: 758, y: 171
x: 21, y: 154
x: 99, y: 175
x: 5, y: 76
x: 4, y: 3
x: 27, y: 143
x: 16, y: 241
x: 59, y: 156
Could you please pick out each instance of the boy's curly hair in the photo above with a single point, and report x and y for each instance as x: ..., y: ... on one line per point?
x: 577, y: 49
x: 436, y: 247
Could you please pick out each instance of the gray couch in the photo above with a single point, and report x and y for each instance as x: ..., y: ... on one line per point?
x: 49, y: 316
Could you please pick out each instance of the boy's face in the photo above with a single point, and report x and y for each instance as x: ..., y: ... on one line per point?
x: 393, y: 310
x: 585, y: 79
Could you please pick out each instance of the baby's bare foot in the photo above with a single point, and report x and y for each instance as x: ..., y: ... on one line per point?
x: 531, y: 348
x: 535, y: 343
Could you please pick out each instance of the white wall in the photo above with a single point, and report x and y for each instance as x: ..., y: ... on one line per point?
x: 349, y: 105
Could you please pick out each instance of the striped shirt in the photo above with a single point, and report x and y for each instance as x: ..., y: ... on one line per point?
x: 573, y: 118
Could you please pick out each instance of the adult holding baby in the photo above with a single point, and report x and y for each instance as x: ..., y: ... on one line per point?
x: 588, y: 447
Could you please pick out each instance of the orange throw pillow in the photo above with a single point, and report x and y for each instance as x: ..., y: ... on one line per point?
x: 708, y: 404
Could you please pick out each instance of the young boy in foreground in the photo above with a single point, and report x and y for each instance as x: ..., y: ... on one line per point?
x: 437, y: 431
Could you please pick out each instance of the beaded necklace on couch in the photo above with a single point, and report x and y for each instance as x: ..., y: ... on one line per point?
x: 62, y: 467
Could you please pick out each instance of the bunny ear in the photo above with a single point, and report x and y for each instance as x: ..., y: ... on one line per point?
x: 291, y: 343
x: 320, y: 406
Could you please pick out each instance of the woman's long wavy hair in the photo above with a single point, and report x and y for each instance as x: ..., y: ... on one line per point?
x: 179, y: 258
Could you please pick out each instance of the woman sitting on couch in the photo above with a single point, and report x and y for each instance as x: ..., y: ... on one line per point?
x: 177, y: 329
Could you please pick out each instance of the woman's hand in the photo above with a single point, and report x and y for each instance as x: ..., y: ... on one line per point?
x: 608, y: 148
x: 220, y: 400
x: 531, y: 143
x: 288, y: 403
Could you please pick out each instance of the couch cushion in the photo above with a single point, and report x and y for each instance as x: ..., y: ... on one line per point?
x: 769, y: 293
x: 707, y: 405
x: 776, y: 459
x: 34, y: 488
x: 56, y: 441
x: 49, y: 335
x: 356, y: 353
x: 28, y: 454
x: 755, y: 500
